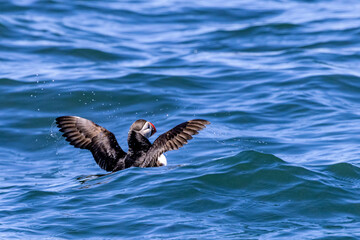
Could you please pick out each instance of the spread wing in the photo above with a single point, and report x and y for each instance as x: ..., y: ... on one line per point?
x: 173, y: 139
x: 85, y: 134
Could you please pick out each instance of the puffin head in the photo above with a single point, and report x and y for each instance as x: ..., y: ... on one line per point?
x: 145, y: 128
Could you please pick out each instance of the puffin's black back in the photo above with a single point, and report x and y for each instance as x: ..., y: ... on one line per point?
x: 138, y: 147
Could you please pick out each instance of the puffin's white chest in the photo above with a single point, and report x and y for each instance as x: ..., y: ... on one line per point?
x: 162, y: 160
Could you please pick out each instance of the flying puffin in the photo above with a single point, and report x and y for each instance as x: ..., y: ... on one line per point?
x: 85, y: 134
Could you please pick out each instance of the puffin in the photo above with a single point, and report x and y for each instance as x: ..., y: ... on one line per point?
x: 85, y: 134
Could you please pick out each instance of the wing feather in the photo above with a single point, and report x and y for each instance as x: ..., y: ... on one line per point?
x: 173, y: 139
x: 85, y: 134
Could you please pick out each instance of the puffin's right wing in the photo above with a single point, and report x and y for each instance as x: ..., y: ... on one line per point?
x: 85, y: 134
x: 173, y: 139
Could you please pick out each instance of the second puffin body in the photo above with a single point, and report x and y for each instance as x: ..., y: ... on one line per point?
x: 85, y: 134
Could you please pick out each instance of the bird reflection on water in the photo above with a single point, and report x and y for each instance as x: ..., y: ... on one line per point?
x: 85, y: 179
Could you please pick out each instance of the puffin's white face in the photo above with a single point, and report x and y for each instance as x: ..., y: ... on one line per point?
x: 148, y: 130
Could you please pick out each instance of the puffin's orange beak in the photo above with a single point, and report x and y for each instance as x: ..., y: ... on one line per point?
x: 153, y: 129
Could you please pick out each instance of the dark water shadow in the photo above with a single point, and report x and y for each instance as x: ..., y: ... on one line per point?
x: 85, y: 179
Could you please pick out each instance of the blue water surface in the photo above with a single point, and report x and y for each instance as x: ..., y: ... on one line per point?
x: 278, y: 80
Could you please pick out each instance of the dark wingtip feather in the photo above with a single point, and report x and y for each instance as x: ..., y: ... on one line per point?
x: 61, y: 118
x: 202, y: 121
x: 197, y: 124
x: 64, y: 118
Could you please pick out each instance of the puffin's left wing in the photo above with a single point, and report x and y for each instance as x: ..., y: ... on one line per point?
x: 173, y: 139
x: 85, y: 134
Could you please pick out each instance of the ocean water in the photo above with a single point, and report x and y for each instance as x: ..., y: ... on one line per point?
x: 279, y: 81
